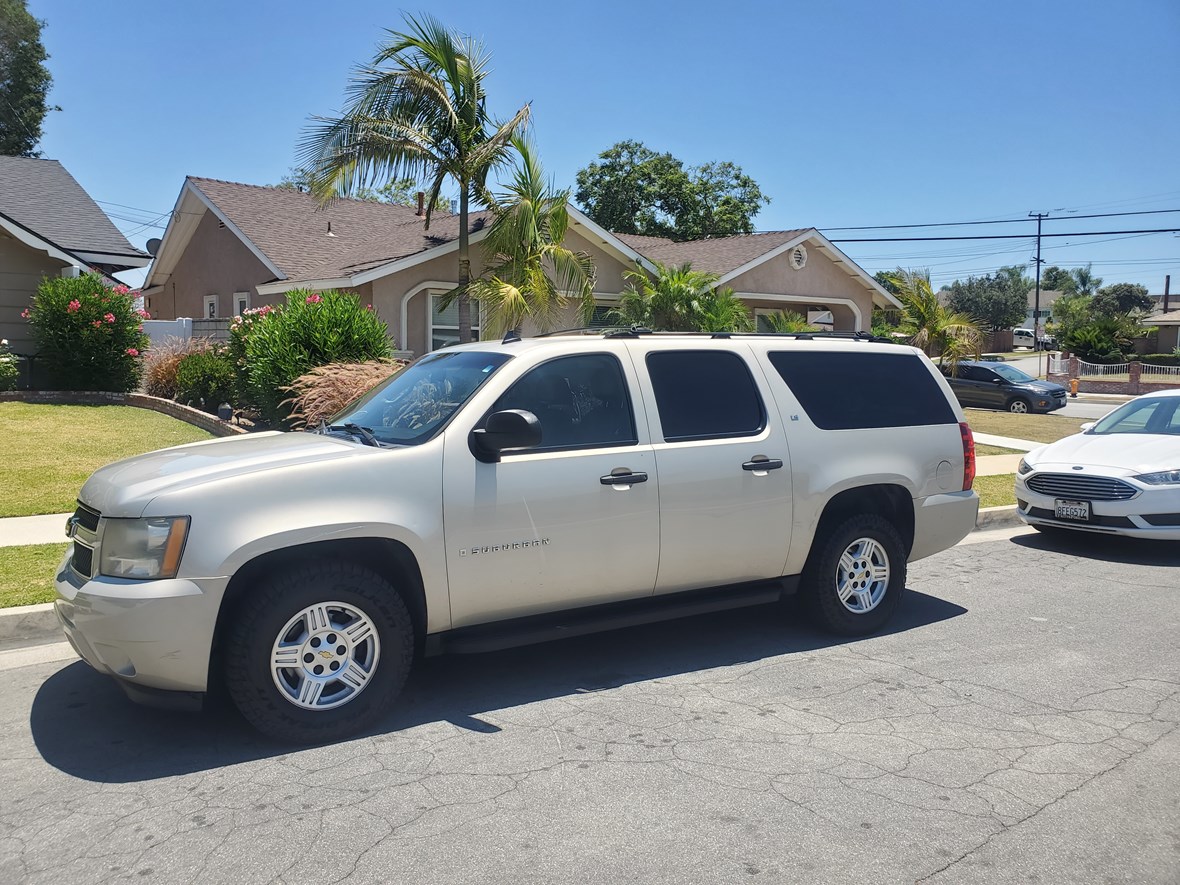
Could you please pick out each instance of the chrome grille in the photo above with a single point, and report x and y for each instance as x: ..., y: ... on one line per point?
x: 1090, y: 488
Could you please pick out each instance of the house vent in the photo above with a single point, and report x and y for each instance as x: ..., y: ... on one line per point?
x: 799, y: 257
x: 221, y: 225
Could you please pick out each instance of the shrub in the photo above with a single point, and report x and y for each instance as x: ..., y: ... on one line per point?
x: 311, y: 329
x: 1159, y: 359
x: 323, y: 392
x: 9, y: 371
x: 89, y: 335
x: 205, y: 379
x: 162, y: 361
x: 240, y: 331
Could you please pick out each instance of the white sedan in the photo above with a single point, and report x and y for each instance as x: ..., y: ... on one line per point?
x: 1120, y: 476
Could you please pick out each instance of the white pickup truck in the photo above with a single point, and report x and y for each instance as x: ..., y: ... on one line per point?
x: 509, y: 492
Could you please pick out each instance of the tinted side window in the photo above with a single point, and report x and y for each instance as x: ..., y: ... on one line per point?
x: 581, y: 402
x: 705, y: 394
x: 966, y: 373
x: 841, y: 390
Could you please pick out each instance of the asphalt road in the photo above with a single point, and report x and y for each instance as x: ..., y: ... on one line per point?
x: 1019, y: 723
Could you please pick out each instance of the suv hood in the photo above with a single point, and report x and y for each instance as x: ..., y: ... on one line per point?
x: 126, y: 487
x: 1130, y: 452
x: 1042, y: 386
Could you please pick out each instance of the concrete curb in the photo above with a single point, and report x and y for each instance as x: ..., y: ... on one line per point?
x: 28, y: 623
x: 997, y: 518
x: 24, y: 623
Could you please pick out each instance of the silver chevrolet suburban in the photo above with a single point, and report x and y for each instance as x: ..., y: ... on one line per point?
x: 507, y: 492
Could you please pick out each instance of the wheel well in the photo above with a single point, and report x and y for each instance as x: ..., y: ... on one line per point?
x: 890, y: 501
x: 390, y: 559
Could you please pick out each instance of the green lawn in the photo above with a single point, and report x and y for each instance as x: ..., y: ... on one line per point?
x: 996, y: 491
x: 26, y: 573
x: 985, y: 449
x: 1037, y: 428
x: 47, y: 452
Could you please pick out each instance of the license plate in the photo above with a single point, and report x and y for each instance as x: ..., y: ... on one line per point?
x: 1076, y: 510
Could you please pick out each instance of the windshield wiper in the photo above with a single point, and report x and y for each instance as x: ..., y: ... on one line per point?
x: 365, y: 434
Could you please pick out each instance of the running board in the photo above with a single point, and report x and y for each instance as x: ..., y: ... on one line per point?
x: 611, y: 616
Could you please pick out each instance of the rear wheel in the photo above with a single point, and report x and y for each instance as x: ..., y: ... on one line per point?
x: 1019, y: 405
x: 319, y: 652
x: 853, y: 583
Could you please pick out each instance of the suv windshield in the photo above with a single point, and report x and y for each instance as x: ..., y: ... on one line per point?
x: 1011, y: 373
x: 410, y: 407
x: 1158, y: 414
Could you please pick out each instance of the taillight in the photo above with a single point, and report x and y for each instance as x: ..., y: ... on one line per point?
x: 968, y: 456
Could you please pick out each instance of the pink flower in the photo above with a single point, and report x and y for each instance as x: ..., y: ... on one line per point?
x: 141, y: 327
x: 314, y: 299
x: 368, y: 307
x: 120, y: 290
x: 109, y: 317
x: 74, y: 306
x: 144, y: 314
x: 26, y: 313
x: 131, y: 351
x: 96, y: 324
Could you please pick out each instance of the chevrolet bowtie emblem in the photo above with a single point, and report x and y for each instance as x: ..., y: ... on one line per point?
x: 325, y: 654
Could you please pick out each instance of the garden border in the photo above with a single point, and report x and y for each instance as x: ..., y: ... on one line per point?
x: 188, y: 414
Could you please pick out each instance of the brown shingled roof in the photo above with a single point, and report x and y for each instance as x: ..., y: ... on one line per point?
x: 718, y: 255
x: 291, y: 229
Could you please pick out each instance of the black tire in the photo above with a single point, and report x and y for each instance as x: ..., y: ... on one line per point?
x: 255, y: 626
x: 817, y: 587
x: 1019, y: 405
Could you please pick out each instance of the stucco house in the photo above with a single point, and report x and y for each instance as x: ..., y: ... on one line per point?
x: 49, y: 226
x: 229, y: 247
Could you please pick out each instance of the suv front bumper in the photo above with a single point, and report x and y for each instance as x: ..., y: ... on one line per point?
x: 147, y: 634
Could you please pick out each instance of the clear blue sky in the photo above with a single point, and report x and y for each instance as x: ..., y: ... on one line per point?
x: 846, y: 113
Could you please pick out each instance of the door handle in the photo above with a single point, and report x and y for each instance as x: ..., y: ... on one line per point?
x: 620, y: 476
x: 761, y: 462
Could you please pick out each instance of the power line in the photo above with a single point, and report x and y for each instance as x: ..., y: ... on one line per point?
x: 1086, y: 233
x: 1000, y: 221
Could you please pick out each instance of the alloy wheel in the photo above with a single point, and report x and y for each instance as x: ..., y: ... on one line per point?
x: 862, y: 575
x: 325, y: 656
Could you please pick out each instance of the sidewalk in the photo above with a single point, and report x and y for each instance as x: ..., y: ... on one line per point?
x: 17, y: 530
x: 1005, y: 442
x: 996, y: 465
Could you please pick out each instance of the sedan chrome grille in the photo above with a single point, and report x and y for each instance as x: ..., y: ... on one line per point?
x: 1091, y: 488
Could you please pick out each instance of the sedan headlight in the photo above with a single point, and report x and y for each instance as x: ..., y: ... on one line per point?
x: 1023, y: 467
x: 1163, y: 478
x: 143, y: 548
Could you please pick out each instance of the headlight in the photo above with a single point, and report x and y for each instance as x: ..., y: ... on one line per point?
x: 1023, y: 467
x: 1163, y: 478
x: 142, y: 548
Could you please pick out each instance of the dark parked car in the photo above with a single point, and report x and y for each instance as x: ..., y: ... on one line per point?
x: 997, y: 386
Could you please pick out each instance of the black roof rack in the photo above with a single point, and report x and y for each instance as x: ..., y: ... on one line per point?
x: 637, y: 331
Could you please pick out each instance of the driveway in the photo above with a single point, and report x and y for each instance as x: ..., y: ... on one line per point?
x: 1017, y: 724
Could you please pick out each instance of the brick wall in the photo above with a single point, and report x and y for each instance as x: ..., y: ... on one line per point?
x: 189, y: 415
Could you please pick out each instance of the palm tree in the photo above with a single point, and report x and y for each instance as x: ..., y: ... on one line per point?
x: 679, y: 299
x: 788, y: 321
x: 1085, y: 283
x: 524, y: 246
x: 418, y: 111
x: 930, y: 324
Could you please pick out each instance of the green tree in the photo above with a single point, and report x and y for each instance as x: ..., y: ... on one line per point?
x: 1057, y: 279
x: 530, y: 274
x: 24, y: 80
x: 680, y: 299
x: 1122, y: 298
x: 631, y: 189
x: 884, y: 279
x: 396, y: 192
x: 1070, y: 312
x: 418, y: 111
x: 1084, y: 281
x: 786, y: 321
x: 997, y: 301
x: 933, y: 326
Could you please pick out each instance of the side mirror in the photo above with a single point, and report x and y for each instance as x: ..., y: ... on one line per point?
x: 1087, y: 426
x: 509, y: 429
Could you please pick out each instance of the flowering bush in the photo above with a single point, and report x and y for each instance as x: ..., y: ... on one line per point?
x: 205, y: 379
x: 240, y: 330
x: 311, y: 329
x: 8, y: 368
x: 89, y: 335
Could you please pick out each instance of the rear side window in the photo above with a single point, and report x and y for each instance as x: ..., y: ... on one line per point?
x: 705, y: 394
x: 845, y: 391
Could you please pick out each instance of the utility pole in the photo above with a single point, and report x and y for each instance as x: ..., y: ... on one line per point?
x: 1039, y: 216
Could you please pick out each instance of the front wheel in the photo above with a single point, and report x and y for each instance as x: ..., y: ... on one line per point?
x: 316, y: 653
x: 1019, y: 406
x: 853, y: 583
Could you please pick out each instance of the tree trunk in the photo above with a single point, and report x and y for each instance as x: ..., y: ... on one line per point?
x: 464, y: 267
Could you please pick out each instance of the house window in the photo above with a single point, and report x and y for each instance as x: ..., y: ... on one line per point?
x: 444, y: 323
x: 241, y: 303
x: 210, y: 307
